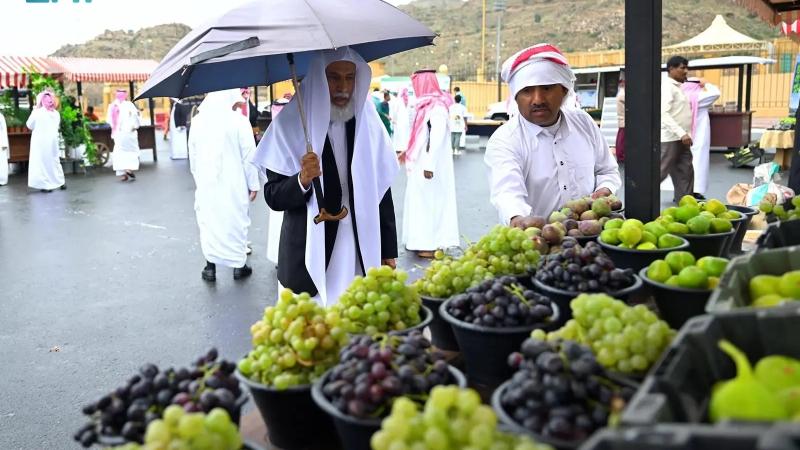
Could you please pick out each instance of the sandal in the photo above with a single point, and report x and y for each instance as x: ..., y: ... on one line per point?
x: 124, y: 178
x: 427, y: 254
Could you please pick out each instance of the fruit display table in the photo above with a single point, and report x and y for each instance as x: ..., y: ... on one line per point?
x: 783, y: 143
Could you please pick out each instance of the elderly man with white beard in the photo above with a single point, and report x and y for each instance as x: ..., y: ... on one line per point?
x: 356, y: 165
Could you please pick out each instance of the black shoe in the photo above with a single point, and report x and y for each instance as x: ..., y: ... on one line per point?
x: 210, y: 272
x: 130, y: 174
x: 242, y: 272
x: 63, y: 187
x: 698, y: 196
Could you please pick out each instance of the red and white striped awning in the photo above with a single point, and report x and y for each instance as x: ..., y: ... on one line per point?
x: 14, y: 70
x: 104, y: 70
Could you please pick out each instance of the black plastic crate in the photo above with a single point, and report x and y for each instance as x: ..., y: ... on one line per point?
x: 694, y: 437
x: 678, y: 388
x: 780, y: 234
x: 734, y: 285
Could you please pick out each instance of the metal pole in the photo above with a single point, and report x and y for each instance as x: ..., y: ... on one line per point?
x: 749, y: 87
x: 497, y: 57
x: 643, y: 76
x: 739, y: 89
x: 483, y: 41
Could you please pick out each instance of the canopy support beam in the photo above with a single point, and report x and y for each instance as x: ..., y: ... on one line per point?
x: 643, y: 76
x: 740, y: 89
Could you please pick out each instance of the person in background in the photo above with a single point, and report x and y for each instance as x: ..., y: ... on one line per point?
x: 248, y: 108
x: 619, y: 147
x: 44, y: 165
x: 4, y: 151
x: 384, y: 111
x: 430, y: 217
x: 457, y: 92
x: 400, y: 121
x: 179, y: 146
x: 676, y: 126
x: 124, y: 119
x: 220, y: 148
x: 458, y: 124
x: 701, y: 96
x: 90, y: 115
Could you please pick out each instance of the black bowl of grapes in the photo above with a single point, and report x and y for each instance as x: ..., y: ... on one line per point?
x: 559, y: 394
x: 441, y: 333
x: 374, y: 370
x: 491, y: 320
x: 580, y: 269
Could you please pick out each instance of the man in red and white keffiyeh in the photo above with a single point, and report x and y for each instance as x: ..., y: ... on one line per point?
x: 552, y: 151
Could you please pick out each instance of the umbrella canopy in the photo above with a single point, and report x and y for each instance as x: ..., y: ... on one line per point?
x: 247, y: 46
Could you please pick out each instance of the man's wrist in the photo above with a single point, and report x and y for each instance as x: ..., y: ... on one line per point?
x: 300, y: 183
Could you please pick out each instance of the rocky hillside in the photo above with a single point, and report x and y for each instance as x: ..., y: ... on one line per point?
x: 573, y: 25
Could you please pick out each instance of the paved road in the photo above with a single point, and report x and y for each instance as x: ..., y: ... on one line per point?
x: 108, y: 274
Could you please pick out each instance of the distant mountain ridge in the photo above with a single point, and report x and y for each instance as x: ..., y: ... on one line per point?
x: 572, y: 25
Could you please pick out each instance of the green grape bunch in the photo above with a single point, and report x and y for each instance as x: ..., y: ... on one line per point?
x: 378, y: 302
x: 452, y: 418
x: 625, y: 339
x: 179, y: 430
x: 294, y: 343
x: 503, y: 251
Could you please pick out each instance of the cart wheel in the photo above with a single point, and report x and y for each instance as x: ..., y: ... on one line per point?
x: 102, y: 153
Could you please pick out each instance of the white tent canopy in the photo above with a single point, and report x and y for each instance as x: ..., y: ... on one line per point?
x: 719, y: 37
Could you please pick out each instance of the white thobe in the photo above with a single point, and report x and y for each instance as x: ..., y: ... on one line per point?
x: 533, y: 171
x: 44, y: 164
x: 179, y: 147
x: 430, y: 216
x: 343, y: 265
x: 400, y: 121
x: 701, y: 141
x: 5, y: 150
x: 219, y: 161
x: 126, y: 138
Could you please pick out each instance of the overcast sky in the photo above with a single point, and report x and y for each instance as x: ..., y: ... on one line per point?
x: 37, y: 29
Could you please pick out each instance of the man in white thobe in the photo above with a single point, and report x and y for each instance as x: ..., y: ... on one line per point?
x: 44, y: 165
x: 550, y: 152
x: 430, y: 216
x: 177, y: 131
x: 355, y: 164
x: 124, y: 119
x: 5, y: 149
x: 702, y: 96
x: 398, y: 107
x: 220, y: 147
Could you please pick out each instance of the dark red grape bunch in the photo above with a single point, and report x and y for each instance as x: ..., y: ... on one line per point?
x: 560, y: 391
x: 125, y: 412
x: 373, y: 370
x: 500, y: 302
x: 582, y: 269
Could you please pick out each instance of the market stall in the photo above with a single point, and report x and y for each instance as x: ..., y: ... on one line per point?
x: 14, y: 71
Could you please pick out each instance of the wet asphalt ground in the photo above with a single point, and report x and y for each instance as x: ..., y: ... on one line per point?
x: 105, y: 276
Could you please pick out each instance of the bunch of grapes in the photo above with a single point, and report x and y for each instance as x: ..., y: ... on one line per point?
x: 626, y: 339
x: 378, y: 302
x: 190, y: 431
x: 374, y: 370
x: 582, y: 269
x: 503, y: 251
x: 500, y: 302
x: 293, y: 344
x: 127, y: 410
x: 560, y: 391
x: 451, y: 418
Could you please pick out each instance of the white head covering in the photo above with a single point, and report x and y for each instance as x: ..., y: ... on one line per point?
x: 539, y: 65
x: 374, y: 162
x: 213, y: 122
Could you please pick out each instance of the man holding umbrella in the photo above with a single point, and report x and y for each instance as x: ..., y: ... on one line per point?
x: 356, y: 164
